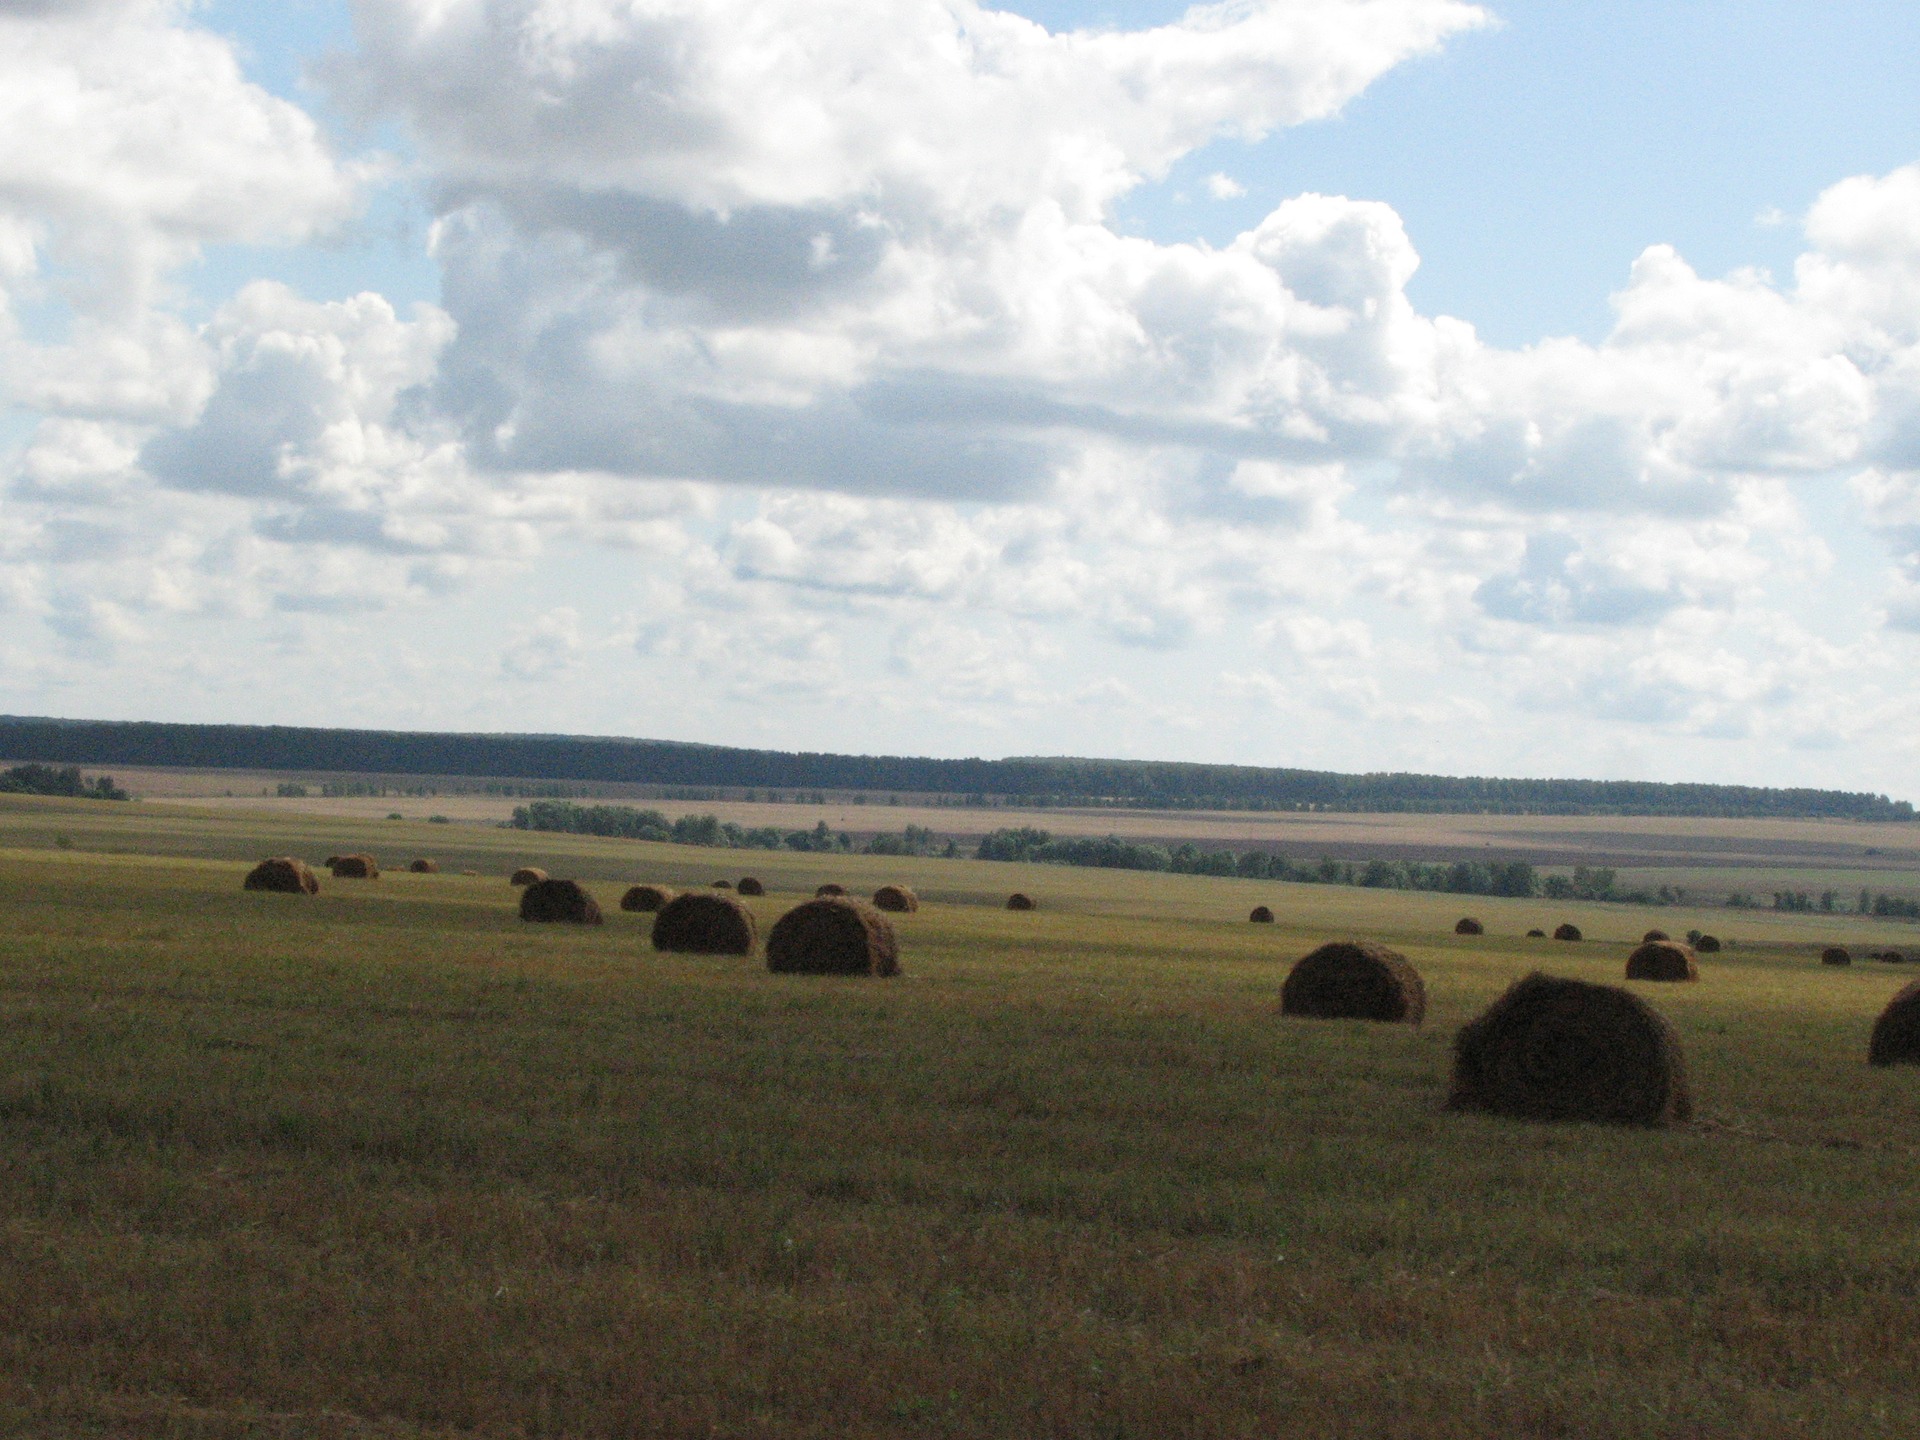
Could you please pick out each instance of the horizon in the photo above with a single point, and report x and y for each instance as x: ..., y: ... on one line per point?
x: 1403, y: 387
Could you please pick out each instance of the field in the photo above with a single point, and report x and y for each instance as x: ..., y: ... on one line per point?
x: 387, y: 1162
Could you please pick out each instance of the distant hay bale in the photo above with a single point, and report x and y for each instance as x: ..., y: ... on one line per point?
x: 1836, y: 955
x: 1355, y: 980
x: 1017, y: 901
x: 283, y: 874
x: 1553, y: 1049
x: 1890, y: 957
x: 1653, y: 935
x: 834, y: 935
x: 829, y: 890
x: 1260, y: 915
x: 750, y: 886
x: 527, y: 875
x: 896, y: 898
x: 722, y: 885
x: 1896, y: 1034
x: 1662, y: 960
x: 1536, y: 934
x: 646, y: 899
x: 1693, y: 938
x: 1467, y: 925
x: 704, y: 923
x: 424, y: 867
x: 355, y: 867
x: 1567, y: 932
x: 559, y: 901
x: 1707, y: 945
x: 331, y: 861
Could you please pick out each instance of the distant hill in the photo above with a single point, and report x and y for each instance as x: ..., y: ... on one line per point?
x: 1034, y: 781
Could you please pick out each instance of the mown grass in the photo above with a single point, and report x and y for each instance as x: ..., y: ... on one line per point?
x: 387, y: 1162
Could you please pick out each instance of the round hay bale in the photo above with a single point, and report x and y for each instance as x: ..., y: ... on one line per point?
x: 1653, y: 935
x: 834, y: 935
x: 1890, y: 957
x: 1552, y: 1049
x: 282, y: 874
x: 897, y: 898
x: 1662, y: 960
x: 527, y: 875
x: 1017, y: 901
x: 1261, y: 915
x: 1693, y: 938
x: 1707, y: 945
x: 829, y: 889
x: 704, y: 923
x: 355, y: 867
x: 1567, y: 932
x: 563, y: 901
x: 424, y: 867
x: 646, y: 899
x: 331, y: 861
x: 1836, y: 955
x: 1355, y: 980
x: 1896, y: 1034
x: 722, y: 885
x: 1536, y: 934
x: 1467, y: 925
x: 750, y: 886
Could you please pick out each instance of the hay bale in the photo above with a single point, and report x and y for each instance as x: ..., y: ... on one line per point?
x: 355, y: 867
x: 1355, y: 980
x: 897, y: 898
x: 703, y: 923
x: 1553, y: 1049
x: 1536, y: 934
x: 829, y: 890
x: 1567, y: 932
x: 1836, y: 955
x: 1707, y: 945
x: 424, y: 867
x: 1017, y: 901
x: 1896, y: 1034
x: 646, y: 899
x: 1467, y: 925
x: 527, y: 875
x: 1260, y: 915
x: 722, y: 885
x: 564, y: 901
x: 1890, y: 957
x: 282, y: 874
x: 750, y: 886
x: 834, y: 935
x: 331, y: 861
x: 1662, y: 960
x: 1653, y: 935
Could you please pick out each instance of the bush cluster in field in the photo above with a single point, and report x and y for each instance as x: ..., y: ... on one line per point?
x: 63, y: 780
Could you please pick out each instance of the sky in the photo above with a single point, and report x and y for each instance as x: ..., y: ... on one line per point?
x: 1523, y: 389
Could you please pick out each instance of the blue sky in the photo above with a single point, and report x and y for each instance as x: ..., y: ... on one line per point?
x: 933, y: 383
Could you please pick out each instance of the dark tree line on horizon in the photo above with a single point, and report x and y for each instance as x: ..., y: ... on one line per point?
x: 1037, y: 782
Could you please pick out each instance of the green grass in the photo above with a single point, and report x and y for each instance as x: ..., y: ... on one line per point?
x: 386, y: 1162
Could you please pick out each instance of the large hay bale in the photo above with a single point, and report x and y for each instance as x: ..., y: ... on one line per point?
x: 1261, y: 915
x: 563, y: 901
x: 704, y: 923
x: 897, y: 898
x: 1467, y: 925
x: 834, y: 935
x: 829, y: 890
x: 1662, y: 960
x: 1553, y: 1049
x: 1707, y: 945
x: 1017, y: 901
x: 527, y: 875
x: 424, y: 867
x: 1355, y: 980
x: 1896, y: 1034
x: 1653, y: 935
x: 1836, y: 955
x: 283, y: 874
x: 355, y: 867
x: 1567, y: 932
x: 646, y: 899
x: 750, y: 886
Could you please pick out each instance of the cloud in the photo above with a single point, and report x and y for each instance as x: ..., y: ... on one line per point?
x: 1224, y: 187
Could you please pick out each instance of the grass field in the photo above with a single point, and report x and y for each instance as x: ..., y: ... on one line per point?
x: 387, y: 1162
